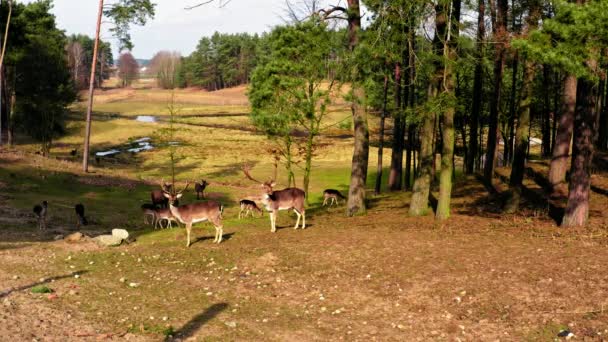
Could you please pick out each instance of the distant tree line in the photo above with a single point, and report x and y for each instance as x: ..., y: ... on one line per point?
x: 220, y: 61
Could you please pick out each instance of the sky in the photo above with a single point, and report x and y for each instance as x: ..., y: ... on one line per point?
x: 173, y: 27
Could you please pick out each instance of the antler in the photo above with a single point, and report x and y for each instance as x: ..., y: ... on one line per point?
x: 246, y: 169
x: 184, y: 189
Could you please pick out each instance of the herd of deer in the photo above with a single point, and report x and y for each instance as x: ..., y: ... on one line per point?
x: 165, y: 206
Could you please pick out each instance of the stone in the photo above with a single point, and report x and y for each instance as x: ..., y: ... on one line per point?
x: 123, y: 234
x: 231, y: 324
x: 108, y: 240
x: 74, y: 237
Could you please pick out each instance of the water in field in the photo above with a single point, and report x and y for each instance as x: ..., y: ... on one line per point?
x: 146, y: 118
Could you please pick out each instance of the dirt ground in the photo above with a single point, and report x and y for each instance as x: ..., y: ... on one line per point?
x: 480, y: 276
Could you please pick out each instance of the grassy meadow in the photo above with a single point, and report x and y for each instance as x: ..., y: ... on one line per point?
x: 385, y: 276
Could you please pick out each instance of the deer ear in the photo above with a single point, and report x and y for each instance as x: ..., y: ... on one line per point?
x: 179, y: 195
x: 273, y: 184
x: 166, y: 195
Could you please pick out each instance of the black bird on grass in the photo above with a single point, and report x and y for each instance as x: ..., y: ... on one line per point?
x: 41, y: 211
x: 79, y: 208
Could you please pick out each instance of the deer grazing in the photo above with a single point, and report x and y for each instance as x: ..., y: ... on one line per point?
x: 273, y: 201
x: 332, y: 194
x: 196, y: 212
x: 164, y: 214
x: 41, y: 211
x: 158, y: 199
x: 200, y: 188
x: 249, y: 207
x: 81, y: 219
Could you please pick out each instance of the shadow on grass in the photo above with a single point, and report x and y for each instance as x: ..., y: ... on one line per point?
x: 225, y: 237
x: 190, y: 328
x: 46, y: 280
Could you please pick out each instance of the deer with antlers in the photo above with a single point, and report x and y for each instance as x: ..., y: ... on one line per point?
x: 273, y: 201
x: 196, y: 212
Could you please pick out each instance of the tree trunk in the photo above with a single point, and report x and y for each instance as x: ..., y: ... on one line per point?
x: 420, y: 193
x: 546, y: 124
x: 381, y: 138
x: 561, y: 147
x: 501, y: 37
x: 411, y: 102
x: 356, y: 192
x: 448, y: 135
x: 87, y: 136
x: 477, y: 90
x: 602, y: 142
x: 521, y: 139
x: 556, y: 94
x: 509, y: 143
x: 308, y: 160
x: 396, y: 172
x: 585, y: 120
x: 2, y: 52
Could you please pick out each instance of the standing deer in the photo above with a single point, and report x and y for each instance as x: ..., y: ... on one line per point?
x: 158, y: 199
x: 273, y: 201
x: 81, y: 219
x: 200, y: 188
x: 149, y: 210
x: 333, y: 195
x: 196, y: 212
x: 249, y: 207
x: 41, y: 211
x: 164, y: 214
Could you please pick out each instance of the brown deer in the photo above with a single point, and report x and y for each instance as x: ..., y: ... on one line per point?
x: 199, y: 188
x: 149, y: 210
x: 41, y: 212
x: 196, y: 212
x: 164, y: 214
x: 158, y: 199
x: 273, y: 201
x: 249, y: 207
x: 332, y: 194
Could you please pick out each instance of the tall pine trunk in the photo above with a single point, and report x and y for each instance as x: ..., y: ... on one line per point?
x: 602, y: 141
x: 546, y: 124
x: 356, y: 192
x: 381, y: 137
x: 396, y: 172
x: 477, y: 90
x: 501, y: 37
x: 87, y: 134
x: 447, y: 149
x: 510, y: 142
x: 561, y: 147
x: 585, y: 120
x: 420, y: 193
x: 521, y: 139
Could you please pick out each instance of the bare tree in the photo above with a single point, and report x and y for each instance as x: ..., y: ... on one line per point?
x: 165, y: 65
x: 75, y: 57
x: 128, y: 69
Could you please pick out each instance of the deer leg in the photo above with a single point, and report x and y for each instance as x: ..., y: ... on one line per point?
x: 188, y: 229
x: 298, y: 220
x: 303, y: 219
x: 219, y: 230
x: 324, y: 201
x: 272, y: 222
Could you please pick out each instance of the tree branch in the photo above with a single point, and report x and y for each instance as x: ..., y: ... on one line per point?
x: 222, y: 4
